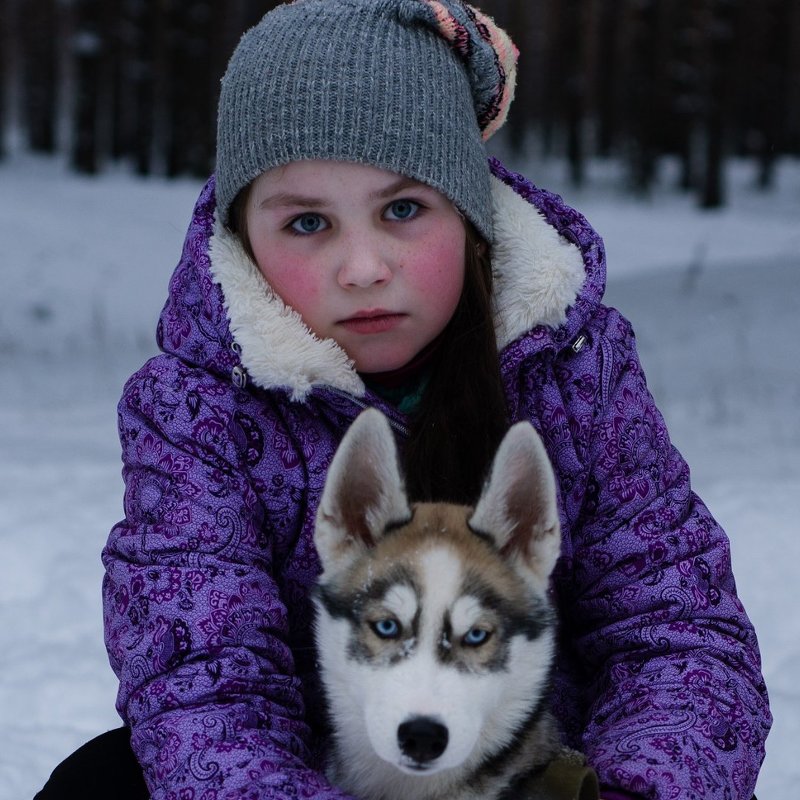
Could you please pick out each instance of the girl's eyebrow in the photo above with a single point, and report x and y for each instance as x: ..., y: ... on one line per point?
x: 401, y: 183
x: 287, y: 199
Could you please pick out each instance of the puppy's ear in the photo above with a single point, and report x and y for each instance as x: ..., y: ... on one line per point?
x: 518, y: 507
x: 363, y: 494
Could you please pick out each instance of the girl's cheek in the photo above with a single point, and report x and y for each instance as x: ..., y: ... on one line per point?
x: 297, y: 283
x: 444, y: 273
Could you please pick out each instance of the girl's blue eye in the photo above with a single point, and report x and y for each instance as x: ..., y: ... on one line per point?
x: 308, y: 223
x: 402, y: 210
x: 386, y: 628
x: 475, y: 637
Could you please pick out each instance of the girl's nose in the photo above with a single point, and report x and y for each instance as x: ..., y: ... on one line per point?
x: 363, y: 264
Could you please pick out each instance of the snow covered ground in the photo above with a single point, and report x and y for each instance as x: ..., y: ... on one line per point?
x: 713, y: 296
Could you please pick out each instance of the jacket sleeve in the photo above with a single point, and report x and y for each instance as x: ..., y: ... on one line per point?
x: 196, y: 626
x: 676, y: 706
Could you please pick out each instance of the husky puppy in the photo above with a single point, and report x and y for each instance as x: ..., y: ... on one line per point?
x: 434, y: 628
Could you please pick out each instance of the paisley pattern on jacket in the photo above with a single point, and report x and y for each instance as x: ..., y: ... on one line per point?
x: 207, y: 611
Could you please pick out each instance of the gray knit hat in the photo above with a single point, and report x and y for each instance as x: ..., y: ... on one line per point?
x: 411, y: 86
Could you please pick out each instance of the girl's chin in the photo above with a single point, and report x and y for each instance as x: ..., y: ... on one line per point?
x: 384, y: 359
x: 379, y: 362
x: 377, y: 367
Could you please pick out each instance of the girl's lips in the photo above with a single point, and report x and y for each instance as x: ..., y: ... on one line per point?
x: 377, y: 321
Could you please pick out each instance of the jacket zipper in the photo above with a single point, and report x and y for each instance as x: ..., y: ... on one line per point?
x: 396, y: 424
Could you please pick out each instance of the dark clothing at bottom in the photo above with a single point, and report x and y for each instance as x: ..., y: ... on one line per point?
x: 102, y: 768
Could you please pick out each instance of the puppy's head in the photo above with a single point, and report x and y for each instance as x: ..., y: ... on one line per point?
x: 435, y: 631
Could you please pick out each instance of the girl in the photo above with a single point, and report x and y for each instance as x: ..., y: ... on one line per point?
x: 356, y: 249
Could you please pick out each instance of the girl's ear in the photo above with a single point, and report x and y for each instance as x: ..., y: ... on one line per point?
x: 518, y: 507
x: 364, y: 492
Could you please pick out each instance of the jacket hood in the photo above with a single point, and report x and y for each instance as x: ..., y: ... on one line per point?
x: 221, y: 314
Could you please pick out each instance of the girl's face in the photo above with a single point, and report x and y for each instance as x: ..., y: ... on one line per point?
x: 367, y: 257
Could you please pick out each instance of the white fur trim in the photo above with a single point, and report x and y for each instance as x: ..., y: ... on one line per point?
x: 278, y: 348
x: 537, y: 273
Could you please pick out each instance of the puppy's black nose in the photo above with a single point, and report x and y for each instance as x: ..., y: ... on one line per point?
x: 422, y: 739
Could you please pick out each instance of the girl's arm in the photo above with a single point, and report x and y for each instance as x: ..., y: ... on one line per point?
x: 195, y: 624
x: 675, y: 704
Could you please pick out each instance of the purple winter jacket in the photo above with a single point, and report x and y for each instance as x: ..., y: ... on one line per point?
x: 226, y: 440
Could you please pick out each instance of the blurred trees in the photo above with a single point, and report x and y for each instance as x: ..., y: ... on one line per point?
x: 701, y: 80
x: 126, y: 79
x: 639, y: 79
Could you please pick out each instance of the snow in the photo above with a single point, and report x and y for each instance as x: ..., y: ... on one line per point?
x: 713, y: 297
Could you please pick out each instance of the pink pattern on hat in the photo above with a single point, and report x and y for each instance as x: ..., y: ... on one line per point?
x: 492, y: 117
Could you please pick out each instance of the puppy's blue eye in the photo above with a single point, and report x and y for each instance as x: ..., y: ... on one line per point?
x: 308, y: 223
x: 475, y: 637
x: 402, y: 209
x: 386, y: 628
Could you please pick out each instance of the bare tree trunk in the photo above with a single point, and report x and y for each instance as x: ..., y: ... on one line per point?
x: 551, y: 79
x: 149, y: 97
x: 771, y: 68
x: 87, y: 49
x: 687, y: 91
x: 190, y: 149
x: 792, y: 105
x: 117, y: 65
x: 720, y: 37
x: 607, y: 80
x: 570, y: 78
x: 5, y: 72
x: 525, y: 21
x: 648, y: 50
x: 140, y: 33
x: 39, y: 90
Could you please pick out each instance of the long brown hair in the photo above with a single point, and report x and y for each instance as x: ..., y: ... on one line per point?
x: 463, y: 415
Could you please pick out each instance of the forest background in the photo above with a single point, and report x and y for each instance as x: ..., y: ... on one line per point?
x: 136, y: 81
